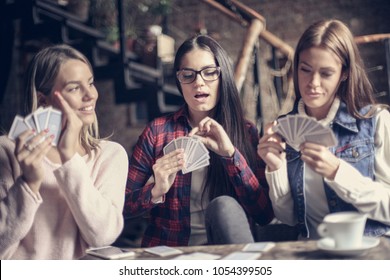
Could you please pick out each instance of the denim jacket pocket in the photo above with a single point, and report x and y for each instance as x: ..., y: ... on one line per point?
x: 355, y: 151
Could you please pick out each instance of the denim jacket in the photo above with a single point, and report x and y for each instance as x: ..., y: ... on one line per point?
x: 355, y: 146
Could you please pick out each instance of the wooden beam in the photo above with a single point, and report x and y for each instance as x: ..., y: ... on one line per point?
x: 371, y: 38
x: 226, y: 11
x: 252, y: 35
x: 276, y: 42
x: 265, y: 35
x: 252, y: 13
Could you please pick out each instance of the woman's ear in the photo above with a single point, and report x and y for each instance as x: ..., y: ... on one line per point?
x: 42, y: 100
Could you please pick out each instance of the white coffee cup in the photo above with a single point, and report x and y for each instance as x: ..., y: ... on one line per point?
x: 345, y: 228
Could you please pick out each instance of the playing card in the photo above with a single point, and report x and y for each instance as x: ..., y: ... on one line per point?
x: 163, y: 251
x: 291, y: 126
x: 41, y: 117
x: 242, y: 256
x: 296, y: 129
x: 197, y: 165
x: 325, y: 138
x: 185, y: 143
x: 197, y: 256
x: 303, y: 123
x: 54, y: 124
x: 29, y: 120
x: 18, y: 127
x: 258, y: 247
x: 284, y: 128
x: 170, y: 147
x: 196, y: 154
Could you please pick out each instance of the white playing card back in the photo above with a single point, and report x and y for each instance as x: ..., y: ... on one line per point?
x: 18, y: 127
x: 258, y: 247
x: 296, y: 129
x: 196, y: 154
x: 41, y: 117
x: 170, y: 147
x: 54, y: 124
x: 163, y: 251
x: 242, y: 256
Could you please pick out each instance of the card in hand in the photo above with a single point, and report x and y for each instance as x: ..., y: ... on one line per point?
x: 18, y: 127
x: 54, y: 124
x: 296, y: 129
x: 195, y: 152
x: 39, y: 120
x: 41, y: 116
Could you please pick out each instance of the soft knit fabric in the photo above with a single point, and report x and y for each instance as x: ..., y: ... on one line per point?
x: 79, y: 204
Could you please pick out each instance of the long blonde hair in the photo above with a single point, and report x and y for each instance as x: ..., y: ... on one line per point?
x: 41, y: 75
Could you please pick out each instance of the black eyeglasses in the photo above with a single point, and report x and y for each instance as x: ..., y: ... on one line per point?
x: 187, y: 76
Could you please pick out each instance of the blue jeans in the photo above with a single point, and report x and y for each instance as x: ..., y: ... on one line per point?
x: 226, y: 222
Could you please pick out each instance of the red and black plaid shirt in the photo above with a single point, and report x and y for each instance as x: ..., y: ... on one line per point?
x: 170, y: 221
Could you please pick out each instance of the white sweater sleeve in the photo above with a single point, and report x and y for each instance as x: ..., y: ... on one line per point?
x: 95, y: 192
x: 280, y: 195
x: 18, y: 204
x: 369, y: 196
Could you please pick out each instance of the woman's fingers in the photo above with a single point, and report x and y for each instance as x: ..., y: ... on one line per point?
x: 22, y: 139
x: 194, y: 131
x: 25, y: 144
x: 203, y: 127
x: 172, y: 162
x: 63, y: 103
x: 275, y: 146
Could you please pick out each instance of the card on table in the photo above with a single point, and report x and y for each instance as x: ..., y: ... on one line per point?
x: 197, y: 256
x: 163, y: 251
x: 196, y: 153
x: 258, y: 247
x: 242, y: 256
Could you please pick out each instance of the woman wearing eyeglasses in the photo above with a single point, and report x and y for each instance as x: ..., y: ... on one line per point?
x: 234, y: 180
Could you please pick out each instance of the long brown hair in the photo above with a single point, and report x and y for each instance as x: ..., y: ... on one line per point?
x: 356, y: 90
x: 228, y: 113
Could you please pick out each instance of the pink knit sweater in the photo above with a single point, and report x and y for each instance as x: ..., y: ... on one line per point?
x: 79, y: 205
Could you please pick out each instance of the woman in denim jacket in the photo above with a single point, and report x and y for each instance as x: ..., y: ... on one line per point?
x: 331, y: 85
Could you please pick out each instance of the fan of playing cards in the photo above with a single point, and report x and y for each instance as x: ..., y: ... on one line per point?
x: 296, y: 129
x: 39, y: 120
x: 196, y: 154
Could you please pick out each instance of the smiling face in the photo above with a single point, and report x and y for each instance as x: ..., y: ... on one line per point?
x: 76, y: 84
x: 201, y: 96
x: 319, y: 76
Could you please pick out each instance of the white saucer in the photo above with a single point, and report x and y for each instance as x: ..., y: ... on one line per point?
x: 327, y: 245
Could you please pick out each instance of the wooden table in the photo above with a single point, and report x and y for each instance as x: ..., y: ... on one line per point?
x: 296, y: 250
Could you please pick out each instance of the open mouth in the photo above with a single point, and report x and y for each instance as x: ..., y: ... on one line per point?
x: 202, y: 95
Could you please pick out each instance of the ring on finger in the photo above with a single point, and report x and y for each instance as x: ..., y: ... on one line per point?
x: 29, y: 147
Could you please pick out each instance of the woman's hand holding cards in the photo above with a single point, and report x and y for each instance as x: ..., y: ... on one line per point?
x: 165, y: 170
x: 69, y: 142
x: 30, y: 153
x: 271, y: 148
x: 320, y: 159
x: 214, y: 137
